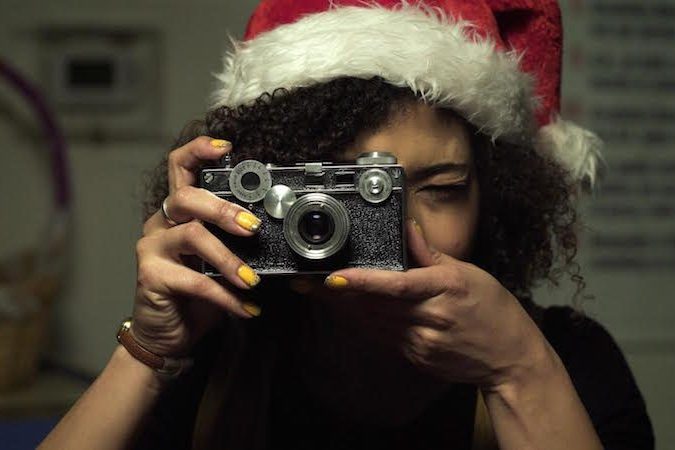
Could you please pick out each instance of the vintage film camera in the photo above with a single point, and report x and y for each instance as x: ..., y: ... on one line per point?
x: 316, y: 217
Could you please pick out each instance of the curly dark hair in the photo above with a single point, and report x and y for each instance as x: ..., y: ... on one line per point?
x: 527, y: 226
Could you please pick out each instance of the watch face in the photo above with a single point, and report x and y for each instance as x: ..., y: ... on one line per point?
x: 125, y: 326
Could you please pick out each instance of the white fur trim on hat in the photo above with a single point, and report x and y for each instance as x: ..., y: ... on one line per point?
x: 438, y: 57
x: 574, y: 148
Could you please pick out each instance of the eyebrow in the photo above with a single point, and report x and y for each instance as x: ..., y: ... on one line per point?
x: 429, y: 171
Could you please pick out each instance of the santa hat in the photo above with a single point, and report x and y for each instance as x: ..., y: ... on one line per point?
x: 495, y: 62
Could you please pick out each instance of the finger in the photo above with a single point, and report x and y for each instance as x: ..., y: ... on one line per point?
x: 155, y: 223
x: 415, y: 284
x: 179, y: 281
x: 185, y: 160
x: 417, y: 245
x: 434, y: 312
x: 194, y: 239
x: 190, y: 202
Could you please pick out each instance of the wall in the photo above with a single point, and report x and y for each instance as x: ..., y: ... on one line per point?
x: 107, y: 173
x: 619, y: 73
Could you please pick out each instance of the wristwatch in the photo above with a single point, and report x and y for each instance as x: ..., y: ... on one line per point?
x: 167, y: 367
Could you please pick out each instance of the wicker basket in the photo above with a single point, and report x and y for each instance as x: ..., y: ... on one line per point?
x: 22, y: 335
x: 21, y: 343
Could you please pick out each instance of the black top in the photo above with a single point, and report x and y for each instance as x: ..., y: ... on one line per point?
x: 593, y: 360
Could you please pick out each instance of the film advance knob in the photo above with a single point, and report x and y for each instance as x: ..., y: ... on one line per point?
x: 375, y: 185
x: 375, y: 158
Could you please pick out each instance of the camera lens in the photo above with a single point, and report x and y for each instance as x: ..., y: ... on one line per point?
x: 316, y: 227
x: 250, y: 181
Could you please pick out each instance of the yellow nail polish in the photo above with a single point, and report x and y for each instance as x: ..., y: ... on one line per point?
x: 247, y: 221
x: 336, y: 282
x: 248, y: 275
x: 252, y: 309
x: 417, y: 226
x: 220, y: 143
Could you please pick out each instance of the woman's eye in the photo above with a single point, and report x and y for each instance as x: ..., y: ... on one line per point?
x: 445, y: 191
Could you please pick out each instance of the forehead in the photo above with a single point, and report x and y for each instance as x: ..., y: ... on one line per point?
x: 419, y: 136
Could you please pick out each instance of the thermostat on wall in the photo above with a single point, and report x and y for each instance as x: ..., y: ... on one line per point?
x: 103, y: 76
x: 103, y: 81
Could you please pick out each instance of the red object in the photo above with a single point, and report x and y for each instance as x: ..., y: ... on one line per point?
x: 496, y: 62
x: 531, y: 28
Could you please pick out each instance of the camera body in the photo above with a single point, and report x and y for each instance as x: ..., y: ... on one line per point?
x: 317, y: 217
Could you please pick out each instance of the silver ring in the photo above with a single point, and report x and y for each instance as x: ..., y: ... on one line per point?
x: 165, y: 213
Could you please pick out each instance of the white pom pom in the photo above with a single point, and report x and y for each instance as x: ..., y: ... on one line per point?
x: 576, y: 149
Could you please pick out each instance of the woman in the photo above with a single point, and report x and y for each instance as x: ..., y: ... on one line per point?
x: 369, y: 358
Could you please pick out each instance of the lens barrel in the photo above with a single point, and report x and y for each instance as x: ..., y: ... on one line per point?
x: 316, y: 226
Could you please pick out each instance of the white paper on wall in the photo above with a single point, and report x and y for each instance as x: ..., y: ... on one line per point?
x: 619, y: 81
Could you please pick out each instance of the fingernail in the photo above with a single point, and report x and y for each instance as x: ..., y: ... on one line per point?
x: 336, y: 282
x: 252, y: 309
x: 220, y: 143
x: 417, y: 226
x: 247, y: 221
x: 248, y: 275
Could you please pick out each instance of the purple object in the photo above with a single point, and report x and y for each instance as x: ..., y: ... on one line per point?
x: 52, y: 133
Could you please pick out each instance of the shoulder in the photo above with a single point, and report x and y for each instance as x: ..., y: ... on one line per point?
x: 601, y: 377
x: 577, y: 337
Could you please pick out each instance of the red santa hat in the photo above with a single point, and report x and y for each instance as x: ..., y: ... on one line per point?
x: 495, y: 62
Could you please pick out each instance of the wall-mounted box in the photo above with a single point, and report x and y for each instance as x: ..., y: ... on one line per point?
x: 104, y: 83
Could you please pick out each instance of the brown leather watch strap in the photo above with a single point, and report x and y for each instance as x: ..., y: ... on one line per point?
x: 170, y: 367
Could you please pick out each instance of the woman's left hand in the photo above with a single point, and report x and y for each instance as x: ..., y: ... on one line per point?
x: 447, y: 317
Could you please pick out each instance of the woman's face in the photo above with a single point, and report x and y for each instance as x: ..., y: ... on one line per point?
x: 443, y: 195
x: 443, y: 198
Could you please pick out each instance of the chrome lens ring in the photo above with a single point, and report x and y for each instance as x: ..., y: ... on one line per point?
x: 325, y: 204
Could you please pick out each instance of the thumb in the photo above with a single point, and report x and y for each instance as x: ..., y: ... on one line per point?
x: 422, y: 253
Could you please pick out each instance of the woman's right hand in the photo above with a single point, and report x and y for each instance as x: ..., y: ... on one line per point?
x: 175, y: 305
